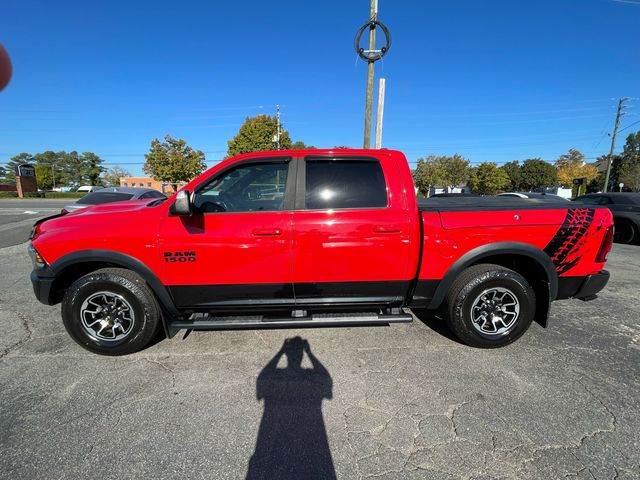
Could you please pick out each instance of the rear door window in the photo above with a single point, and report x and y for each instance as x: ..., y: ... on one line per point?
x: 344, y: 184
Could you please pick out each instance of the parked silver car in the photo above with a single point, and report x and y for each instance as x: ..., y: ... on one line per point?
x: 111, y: 195
x: 534, y: 195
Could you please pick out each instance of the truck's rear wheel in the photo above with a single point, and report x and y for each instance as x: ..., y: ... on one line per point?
x: 111, y: 311
x: 490, y: 306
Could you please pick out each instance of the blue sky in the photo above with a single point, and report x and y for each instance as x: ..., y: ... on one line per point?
x: 491, y: 80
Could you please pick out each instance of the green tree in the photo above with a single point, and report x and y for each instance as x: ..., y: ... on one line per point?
x: 428, y: 173
x: 92, y: 168
x: 513, y: 171
x: 537, y: 173
x: 60, y: 167
x: 299, y: 145
x: 10, y: 167
x: 488, y: 179
x: 629, y: 164
x: 257, y: 134
x: 630, y: 176
x: 111, y: 176
x: 456, y: 170
x: 44, y: 177
x: 572, y: 165
x: 602, y: 163
x: 173, y: 161
x: 632, y: 145
x: 596, y: 185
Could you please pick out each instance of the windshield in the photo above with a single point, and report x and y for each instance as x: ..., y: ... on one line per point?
x: 99, y: 198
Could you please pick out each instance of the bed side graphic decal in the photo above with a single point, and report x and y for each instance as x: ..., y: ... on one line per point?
x: 564, y: 247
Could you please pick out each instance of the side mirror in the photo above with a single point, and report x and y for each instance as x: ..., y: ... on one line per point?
x: 182, y: 205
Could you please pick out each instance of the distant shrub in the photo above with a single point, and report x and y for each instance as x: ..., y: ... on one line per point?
x: 8, y: 194
x: 65, y: 194
x: 34, y: 194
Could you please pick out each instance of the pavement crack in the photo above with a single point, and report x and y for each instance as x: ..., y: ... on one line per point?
x: 23, y: 340
x: 451, y: 414
x: 165, y: 368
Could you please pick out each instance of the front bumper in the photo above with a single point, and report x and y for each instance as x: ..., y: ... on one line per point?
x: 42, y: 288
x: 583, y: 288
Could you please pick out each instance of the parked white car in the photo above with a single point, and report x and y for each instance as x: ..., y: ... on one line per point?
x: 88, y: 188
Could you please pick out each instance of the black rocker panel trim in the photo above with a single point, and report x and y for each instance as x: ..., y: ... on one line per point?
x: 198, y: 296
x: 279, y: 294
x: 387, y: 290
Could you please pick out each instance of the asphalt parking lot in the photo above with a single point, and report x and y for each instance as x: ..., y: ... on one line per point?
x: 18, y: 216
x: 400, y: 402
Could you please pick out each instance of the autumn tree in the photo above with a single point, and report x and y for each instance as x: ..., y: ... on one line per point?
x: 111, y: 177
x: 537, y: 173
x: 173, y: 161
x: 258, y: 134
x: 488, y: 179
x: 571, y: 165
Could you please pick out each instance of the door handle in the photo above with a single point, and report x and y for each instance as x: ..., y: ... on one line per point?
x: 387, y: 229
x: 266, y: 232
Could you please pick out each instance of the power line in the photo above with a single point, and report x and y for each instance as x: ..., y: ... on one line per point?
x: 628, y: 126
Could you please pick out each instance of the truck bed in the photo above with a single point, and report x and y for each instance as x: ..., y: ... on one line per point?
x: 472, y: 203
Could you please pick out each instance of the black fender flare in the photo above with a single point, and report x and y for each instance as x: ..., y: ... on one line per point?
x: 125, y: 261
x: 489, y: 250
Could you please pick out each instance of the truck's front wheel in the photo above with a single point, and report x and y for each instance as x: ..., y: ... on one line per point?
x: 111, y: 311
x: 490, y: 306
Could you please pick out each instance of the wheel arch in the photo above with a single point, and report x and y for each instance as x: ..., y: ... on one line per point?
x: 531, y: 262
x: 72, y: 266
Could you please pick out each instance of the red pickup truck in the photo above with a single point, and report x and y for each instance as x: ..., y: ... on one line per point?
x: 314, y: 238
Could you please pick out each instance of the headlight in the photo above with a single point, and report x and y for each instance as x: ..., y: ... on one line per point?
x: 36, y: 258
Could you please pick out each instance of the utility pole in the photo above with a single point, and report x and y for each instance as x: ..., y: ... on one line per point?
x: 613, y: 142
x: 279, y: 132
x: 373, y: 14
x: 380, y: 115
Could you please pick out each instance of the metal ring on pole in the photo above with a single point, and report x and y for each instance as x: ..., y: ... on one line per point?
x: 367, y: 55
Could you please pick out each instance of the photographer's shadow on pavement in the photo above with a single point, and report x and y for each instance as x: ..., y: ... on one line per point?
x: 292, y: 440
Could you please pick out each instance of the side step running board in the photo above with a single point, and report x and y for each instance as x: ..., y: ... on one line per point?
x: 208, y: 322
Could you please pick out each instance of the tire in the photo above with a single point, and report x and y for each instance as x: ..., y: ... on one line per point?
x: 625, y: 232
x: 492, y: 327
x: 111, y: 311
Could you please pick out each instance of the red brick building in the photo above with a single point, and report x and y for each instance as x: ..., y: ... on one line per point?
x: 147, y: 182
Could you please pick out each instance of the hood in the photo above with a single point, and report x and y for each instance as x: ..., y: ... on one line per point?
x: 116, y: 207
x: 101, y: 216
